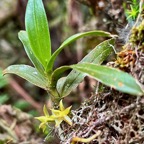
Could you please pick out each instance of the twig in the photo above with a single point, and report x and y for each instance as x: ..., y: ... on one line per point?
x: 85, y: 140
x: 8, y: 130
x: 24, y: 94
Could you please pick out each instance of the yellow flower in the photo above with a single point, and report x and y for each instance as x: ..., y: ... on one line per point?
x: 44, y: 119
x: 57, y: 115
x: 61, y: 114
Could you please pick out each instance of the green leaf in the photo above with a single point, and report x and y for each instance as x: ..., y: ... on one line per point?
x: 72, y: 39
x: 57, y: 74
x: 38, y: 31
x: 97, y: 56
x: 4, y: 98
x: 24, y: 39
x: 112, y: 77
x: 22, y: 104
x: 28, y: 73
x: 3, y: 81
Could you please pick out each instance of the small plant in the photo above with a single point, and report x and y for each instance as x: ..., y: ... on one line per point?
x: 134, y: 10
x: 37, y: 44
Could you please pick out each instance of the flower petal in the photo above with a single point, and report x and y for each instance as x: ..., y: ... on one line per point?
x: 61, y: 106
x: 42, y: 125
x: 45, y: 111
x: 41, y: 118
x: 58, y: 122
x: 68, y: 120
x: 55, y: 112
x: 67, y: 111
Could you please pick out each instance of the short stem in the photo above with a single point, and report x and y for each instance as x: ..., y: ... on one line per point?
x: 55, y: 98
x: 52, y: 90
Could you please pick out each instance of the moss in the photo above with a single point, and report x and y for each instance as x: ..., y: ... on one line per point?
x: 126, y: 58
x: 137, y: 35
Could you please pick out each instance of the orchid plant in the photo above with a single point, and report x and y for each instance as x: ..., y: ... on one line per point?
x: 37, y: 44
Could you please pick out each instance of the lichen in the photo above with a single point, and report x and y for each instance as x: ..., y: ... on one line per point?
x: 117, y: 116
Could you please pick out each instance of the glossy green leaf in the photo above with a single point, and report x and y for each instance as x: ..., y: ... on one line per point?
x: 97, y: 56
x: 112, y: 77
x: 72, y: 39
x: 57, y: 74
x: 28, y: 73
x: 38, y: 31
x: 24, y: 39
